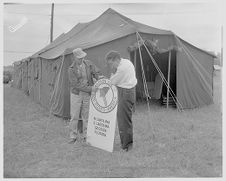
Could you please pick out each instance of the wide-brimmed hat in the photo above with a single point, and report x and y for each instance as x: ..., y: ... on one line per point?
x: 79, y: 53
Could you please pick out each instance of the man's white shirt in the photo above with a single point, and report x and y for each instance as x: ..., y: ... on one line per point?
x: 125, y: 75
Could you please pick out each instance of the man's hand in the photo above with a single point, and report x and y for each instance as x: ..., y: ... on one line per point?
x: 101, y: 77
x: 94, y: 89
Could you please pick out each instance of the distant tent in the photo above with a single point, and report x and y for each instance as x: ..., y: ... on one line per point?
x: 191, y: 76
x: 20, y: 75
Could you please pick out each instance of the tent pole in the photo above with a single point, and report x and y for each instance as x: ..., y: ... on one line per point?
x: 168, y: 84
x: 27, y: 76
x: 222, y: 46
x: 135, y: 66
x: 40, y: 78
x: 22, y: 76
x: 51, y: 23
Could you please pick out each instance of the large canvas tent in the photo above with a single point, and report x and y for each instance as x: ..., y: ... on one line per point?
x: 191, y: 75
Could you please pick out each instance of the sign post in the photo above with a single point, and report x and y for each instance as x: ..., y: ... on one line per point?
x: 102, y: 115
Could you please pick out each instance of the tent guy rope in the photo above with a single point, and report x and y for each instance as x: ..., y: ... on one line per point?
x: 146, y: 90
x: 177, y: 102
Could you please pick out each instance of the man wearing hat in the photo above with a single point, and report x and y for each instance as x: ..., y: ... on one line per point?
x: 82, y: 74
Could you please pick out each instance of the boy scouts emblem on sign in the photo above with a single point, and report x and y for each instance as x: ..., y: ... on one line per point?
x: 105, y: 98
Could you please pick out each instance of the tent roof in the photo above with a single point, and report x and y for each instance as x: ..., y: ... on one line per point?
x: 62, y: 38
x: 109, y: 26
x: 49, y: 45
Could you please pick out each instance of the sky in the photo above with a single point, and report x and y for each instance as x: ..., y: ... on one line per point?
x: 26, y: 27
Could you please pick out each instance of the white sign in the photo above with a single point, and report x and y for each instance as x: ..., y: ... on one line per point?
x: 102, y: 115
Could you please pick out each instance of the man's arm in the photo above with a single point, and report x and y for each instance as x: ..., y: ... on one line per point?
x: 76, y: 84
x: 115, y: 78
x: 95, y: 71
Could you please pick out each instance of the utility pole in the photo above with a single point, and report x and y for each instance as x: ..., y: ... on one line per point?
x: 51, y: 26
x: 168, y: 80
x: 222, y: 40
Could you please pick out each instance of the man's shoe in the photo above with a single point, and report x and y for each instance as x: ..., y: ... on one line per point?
x: 83, y: 139
x: 128, y: 148
x: 125, y: 150
x: 72, y: 141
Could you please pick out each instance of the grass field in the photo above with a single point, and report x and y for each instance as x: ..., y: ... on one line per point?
x: 186, y: 144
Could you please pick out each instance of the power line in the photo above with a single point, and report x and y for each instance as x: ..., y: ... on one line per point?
x: 141, y: 13
x: 51, y: 23
x: 11, y: 51
x: 12, y: 3
x: 39, y: 14
x: 164, y: 13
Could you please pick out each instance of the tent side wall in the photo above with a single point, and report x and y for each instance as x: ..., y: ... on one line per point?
x: 34, y: 79
x: 17, y: 78
x: 47, y: 70
x: 46, y: 86
x: 41, y: 75
x: 24, y: 76
x: 194, y: 77
x: 30, y: 79
x: 37, y: 80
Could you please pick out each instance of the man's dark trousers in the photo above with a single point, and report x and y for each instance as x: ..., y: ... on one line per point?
x: 126, y: 100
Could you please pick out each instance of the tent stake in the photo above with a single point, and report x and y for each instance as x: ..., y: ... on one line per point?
x: 168, y: 85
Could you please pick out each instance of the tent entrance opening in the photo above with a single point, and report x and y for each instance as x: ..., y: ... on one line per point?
x: 156, y: 88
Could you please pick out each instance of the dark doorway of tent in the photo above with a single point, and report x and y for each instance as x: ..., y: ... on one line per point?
x: 157, y: 89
